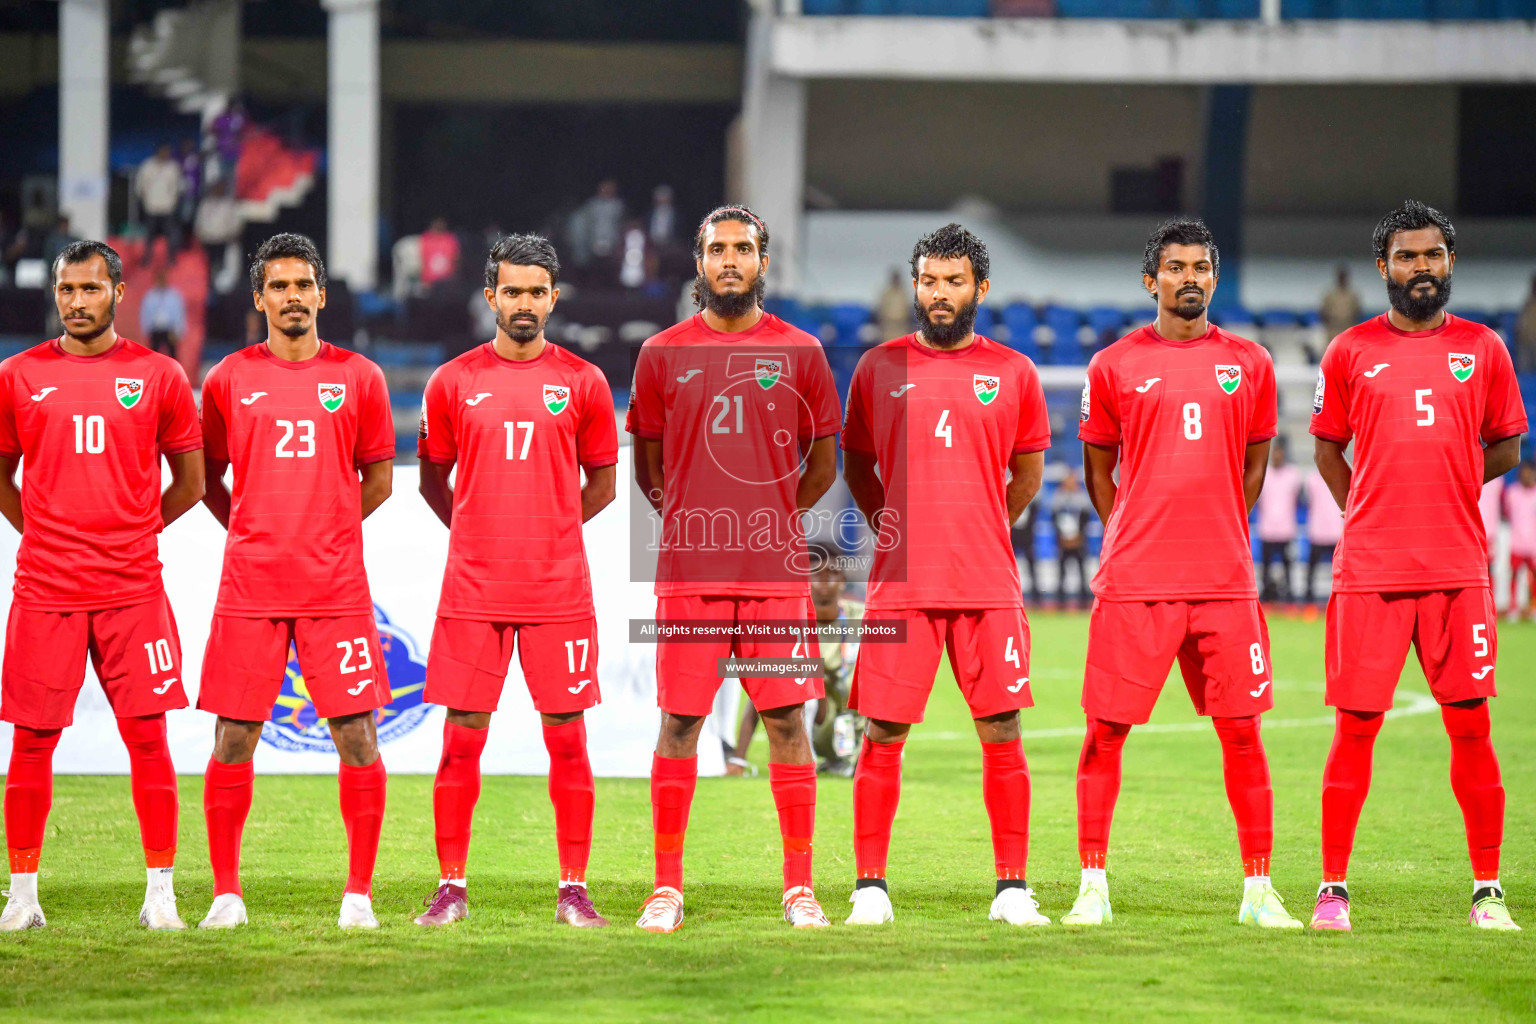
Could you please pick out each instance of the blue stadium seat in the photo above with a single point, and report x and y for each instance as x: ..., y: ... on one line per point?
x: 1279, y: 318
x: 1477, y: 316
x: 395, y: 353
x: 1019, y: 318
x: 1066, y: 349
x: 1107, y: 324
x: 986, y: 321
x: 847, y: 318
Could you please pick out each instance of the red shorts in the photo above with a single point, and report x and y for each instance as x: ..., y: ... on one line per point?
x: 135, y: 651
x: 687, y: 677
x: 247, y: 659
x: 468, y: 662
x: 1454, y: 632
x: 988, y: 650
x: 1222, y: 648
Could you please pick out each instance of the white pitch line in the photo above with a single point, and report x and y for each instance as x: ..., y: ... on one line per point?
x: 1410, y: 703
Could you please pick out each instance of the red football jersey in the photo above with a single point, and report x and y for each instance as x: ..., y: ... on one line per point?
x: 1182, y: 414
x: 296, y: 434
x: 735, y: 414
x: 1419, y: 408
x: 943, y: 427
x: 520, y: 433
x: 90, y: 431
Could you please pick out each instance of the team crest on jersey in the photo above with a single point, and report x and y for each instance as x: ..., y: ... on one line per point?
x: 768, y: 372
x: 294, y: 725
x: 332, y: 395
x: 556, y: 398
x: 986, y: 386
x: 131, y: 389
x: 1229, y: 377
x: 1462, y: 365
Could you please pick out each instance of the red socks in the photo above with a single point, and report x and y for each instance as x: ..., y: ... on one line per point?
x: 572, y: 792
x: 1098, y: 787
x: 454, y: 795
x: 1475, y: 781
x: 227, y: 790
x: 673, y: 780
x: 1346, y: 781
x: 29, y: 795
x: 154, y: 787
x: 1005, y: 790
x: 794, y: 794
x: 1246, y: 771
x: 876, y: 792
x: 362, y: 811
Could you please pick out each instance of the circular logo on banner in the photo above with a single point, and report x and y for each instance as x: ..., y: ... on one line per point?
x: 295, y: 726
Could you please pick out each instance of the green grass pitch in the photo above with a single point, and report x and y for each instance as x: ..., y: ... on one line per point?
x: 1174, y: 952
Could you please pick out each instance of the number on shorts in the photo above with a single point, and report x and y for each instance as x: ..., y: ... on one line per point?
x: 358, y: 647
x: 1480, y: 640
x: 570, y: 654
x: 1192, y: 428
x: 1256, y: 658
x: 159, y: 654
x: 1011, y: 653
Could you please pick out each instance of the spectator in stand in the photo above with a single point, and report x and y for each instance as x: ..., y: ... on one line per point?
x: 163, y: 316
x: 1490, y: 504
x: 1069, y: 515
x: 439, y: 254
x: 632, y: 265
x: 893, y: 310
x: 662, y: 227
x: 1325, y: 525
x: 1023, y: 536
x: 191, y: 184
x: 603, y: 217
x: 158, y: 185
x: 218, y: 228
x: 1341, y: 306
x: 1277, y: 522
x: 1525, y: 333
x: 57, y: 239
x: 1520, y: 511
x: 228, y: 134
x: 13, y: 242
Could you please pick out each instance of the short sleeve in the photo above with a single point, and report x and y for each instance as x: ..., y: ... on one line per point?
x: 1265, y: 422
x: 435, y: 439
x: 597, y: 435
x: 375, y: 422
x: 179, y: 431
x: 1503, y: 409
x: 857, y: 436
x: 647, y: 415
x: 1099, y: 413
x: 10, y: 438
x: 1330, y: 399
x: 825, y: 416
x: 216, y: 415
x: 1033, y: 433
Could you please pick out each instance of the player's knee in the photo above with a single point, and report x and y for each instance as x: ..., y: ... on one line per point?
x: 998, y: 728
x: 1107, y: 735
x: 1466, y: 719
x: 886, y: 732
x: 1361, y: 724
x: 143, y: 735
x: 1239, y: 734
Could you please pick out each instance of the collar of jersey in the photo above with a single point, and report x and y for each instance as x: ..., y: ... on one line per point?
x: 958, y: 353
x: 750, y: 332
x: 1445, y: 324
x: 266, y: 353
x: 58, y: 349
x: 1151, y: 333
x: 519, y: 364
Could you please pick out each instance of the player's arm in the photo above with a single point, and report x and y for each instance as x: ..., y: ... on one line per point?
x: 1026, y: 469
x: 186, y: 488
x: 378, y: 481
x: 1329, y: 457
x: 1255, y: 462
x: 1501, y: 457
x: 1099, y: 477
x: 865, y: 486
x: 597, y: 492
x: 10, y: 494
x: 648, y: 474
x: 215, y: 494
x: 820, y: 471
x: 436, y: 489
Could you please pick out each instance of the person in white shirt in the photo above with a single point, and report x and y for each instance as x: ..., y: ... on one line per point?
x: 1325, y: 525
x: 163, y: 316
x: 158, y: 185
x: 1277, y: 522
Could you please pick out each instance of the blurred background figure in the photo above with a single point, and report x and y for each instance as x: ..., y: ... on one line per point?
x: 439, y: 254
x: 1023, y: 537
x: 1277, y: 523
x: 217, y: 228
x: 163, y: 316
x: 1490, y: 504
x: 1341, y: 306
x: 662, y: 225
x: 1520, y: 512
x: 1325, y: 525
x: 158, y: 186
x: 596, y: 225
x: 191, y: 163
x: 1525, y: 333
x: 1069, y: 516
x: 893, y: 310
x: 58, y: 237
